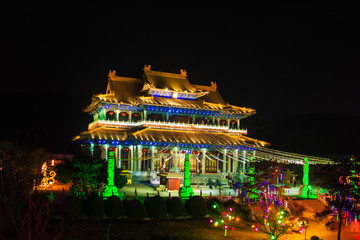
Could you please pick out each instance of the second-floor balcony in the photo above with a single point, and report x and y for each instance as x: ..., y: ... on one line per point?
x: 159, y: 123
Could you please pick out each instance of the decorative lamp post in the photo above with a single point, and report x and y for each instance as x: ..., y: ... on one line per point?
x: 186, y: 191
x: 110, y: 189
x: 306, y: 191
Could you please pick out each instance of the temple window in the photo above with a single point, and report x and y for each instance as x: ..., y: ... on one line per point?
x: 223, y: 122
x: 233, y: 124
x: 203, y: 120
x: 123, y: 116
x: 178, y: 118
x: 146, y: 161
x: 211, y: 165
x: 155, y: 117
x: 135, y: 117
x: 110, y: 115
x: 125, y: 158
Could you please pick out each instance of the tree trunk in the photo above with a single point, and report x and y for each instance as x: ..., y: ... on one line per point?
x: 340, y: 222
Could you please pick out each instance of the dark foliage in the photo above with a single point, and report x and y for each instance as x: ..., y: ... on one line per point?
x: 73, y: 207
x: 196, y: 207
x: 114, y: 207
x: 232, y: 204
x: 342, y: 182
x: 156, y: 207
x: 245, y: 213
x: 23, y: 214
x: 134, y: 209
x: 175, y: 207
x: 85, y: 173
x: 94, y: 206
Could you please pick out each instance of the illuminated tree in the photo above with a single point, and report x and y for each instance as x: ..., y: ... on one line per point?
x: 84, y: 174
x: 275, y: 221
x: 262, y: 180
x: 224, y: 217
x: 342, y: 182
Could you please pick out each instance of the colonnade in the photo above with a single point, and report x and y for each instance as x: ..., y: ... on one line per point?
x: 231, y: 161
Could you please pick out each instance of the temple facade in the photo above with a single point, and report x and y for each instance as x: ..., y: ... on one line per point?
x: 150, y: 123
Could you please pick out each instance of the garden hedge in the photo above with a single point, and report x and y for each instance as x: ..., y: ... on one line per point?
x: 114, y: 207
x: 134, y: 209
x: 196, y: 207
x: 175, y: 207
x: 156, y: 207
x: 95, y: 206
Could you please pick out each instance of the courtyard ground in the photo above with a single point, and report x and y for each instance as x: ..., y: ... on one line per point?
x: 192, y: 228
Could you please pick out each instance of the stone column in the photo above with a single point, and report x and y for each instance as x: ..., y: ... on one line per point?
x: 119, y: 157
x: 243, y: 170
x: 235, y: 160
x: 175, y: 167
x: 152, y: 164
x: 131, y: 157
x: 106, y: 151
x: 203, y: 160
x: 224, y: 161
x: 117, y: 115
x: 139, y: 157
x: 228, y: 164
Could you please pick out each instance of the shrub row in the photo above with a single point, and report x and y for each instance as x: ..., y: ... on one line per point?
x: 154, y: 207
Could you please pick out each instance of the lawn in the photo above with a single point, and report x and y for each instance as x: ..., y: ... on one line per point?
x: 152, y: 229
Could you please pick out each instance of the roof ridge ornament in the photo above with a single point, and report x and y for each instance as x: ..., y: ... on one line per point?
x: 183, y: 73
x: 112, y: 74
x: 147, y: 68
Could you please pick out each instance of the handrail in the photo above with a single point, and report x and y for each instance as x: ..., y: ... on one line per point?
x: 166, y: 124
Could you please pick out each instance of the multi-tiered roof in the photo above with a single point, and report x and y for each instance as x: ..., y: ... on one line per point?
x: 173, y: 95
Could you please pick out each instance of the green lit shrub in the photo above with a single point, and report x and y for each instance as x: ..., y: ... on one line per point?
x: 156, y: 207
x: 114, y: 207
x: 175, y: 207
x: 196, y: 207
x: 214, y: 202
x: 134, y: 209
x: 73, y: 207
x: 94, y: 206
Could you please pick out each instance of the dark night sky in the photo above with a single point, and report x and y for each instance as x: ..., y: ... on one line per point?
x: 298, y: 67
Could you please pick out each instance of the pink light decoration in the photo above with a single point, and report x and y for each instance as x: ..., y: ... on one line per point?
x: 226, y: 227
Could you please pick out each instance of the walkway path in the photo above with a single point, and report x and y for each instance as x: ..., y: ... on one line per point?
x: 143, y: 190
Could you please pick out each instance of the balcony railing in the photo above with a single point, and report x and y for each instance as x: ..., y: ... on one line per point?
x: 116, y: 123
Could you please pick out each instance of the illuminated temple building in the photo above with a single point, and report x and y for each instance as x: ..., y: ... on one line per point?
x: 150, y: 123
